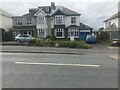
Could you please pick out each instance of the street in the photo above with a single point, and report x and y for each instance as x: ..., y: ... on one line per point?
x: 43, y: 70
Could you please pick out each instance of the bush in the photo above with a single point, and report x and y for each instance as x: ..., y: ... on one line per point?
x: 73, y: 44
x: 53, y: 38
x: 103, y: 37
x: 33, y: 42
x: 63, y: 43
x: 66, y: 44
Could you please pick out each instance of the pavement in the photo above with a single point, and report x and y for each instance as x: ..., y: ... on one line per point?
x: 112, y: 51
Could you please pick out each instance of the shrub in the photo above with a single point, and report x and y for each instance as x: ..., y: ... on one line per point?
x: 32, y: 42
x: 62, y: 43
x: 53, y: 38
x: 73, y: 44
x: 104, y: 36
x: 67, y: 44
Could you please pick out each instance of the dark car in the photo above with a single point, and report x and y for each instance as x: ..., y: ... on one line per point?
x: 91, y: 39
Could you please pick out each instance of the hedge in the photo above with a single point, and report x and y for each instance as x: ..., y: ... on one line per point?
x: 65, y: 44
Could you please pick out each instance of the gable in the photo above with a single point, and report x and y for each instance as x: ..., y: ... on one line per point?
x: 58, y: 12
x: 40, y: 13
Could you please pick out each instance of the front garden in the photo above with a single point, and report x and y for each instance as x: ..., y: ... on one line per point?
x: 59, y: 43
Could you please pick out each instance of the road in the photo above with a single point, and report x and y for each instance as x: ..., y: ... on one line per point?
x: 37, y: 70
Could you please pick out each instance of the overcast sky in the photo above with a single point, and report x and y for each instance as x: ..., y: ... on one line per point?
x: 93, y: 12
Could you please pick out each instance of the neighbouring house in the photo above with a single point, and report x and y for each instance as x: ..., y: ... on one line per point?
x: 5, y: 25
x: 112, y: 26
x: 44, y: 21
x: 5, y: 20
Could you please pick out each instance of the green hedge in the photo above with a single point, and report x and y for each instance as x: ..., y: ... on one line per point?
x: 65, y: 44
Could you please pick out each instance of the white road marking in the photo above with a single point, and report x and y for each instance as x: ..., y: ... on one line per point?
x: 57, y: 64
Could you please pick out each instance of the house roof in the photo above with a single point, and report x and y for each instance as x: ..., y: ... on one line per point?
x: 58, y: 12
x: 112, y: 27
x: 114, y: 16
x: 5, y: 13
x: 81, y: 26
x: 84, y: 27
x: 65, y: 11
x: 73, y: 26
x: 47, y: 10
x: 30, y: 14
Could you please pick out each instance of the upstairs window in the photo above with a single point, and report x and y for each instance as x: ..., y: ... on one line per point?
x: 29, y: 21
x: 58, y: 20
x: 18, y: 22
x: 41, y: 20
x: 73, y: 20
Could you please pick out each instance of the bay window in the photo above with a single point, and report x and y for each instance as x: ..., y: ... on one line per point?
x: 59, y: 33
x: 73, y: 32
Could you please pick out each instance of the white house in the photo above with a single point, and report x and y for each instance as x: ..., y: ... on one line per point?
x: 53, y: 20
x: 112, y: 26
x: 5, y: 20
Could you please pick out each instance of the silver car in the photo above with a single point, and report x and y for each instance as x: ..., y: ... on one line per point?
x: 23, y: 38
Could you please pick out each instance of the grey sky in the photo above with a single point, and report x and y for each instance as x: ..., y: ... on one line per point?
x: 94, y: 12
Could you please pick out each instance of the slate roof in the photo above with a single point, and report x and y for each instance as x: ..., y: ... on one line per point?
x: 66, y: 11
x: 30, y: 14
x: 73, y: 26
x: 84, y: 27
x: 114, y: 16
x: 47, y: 10
x: 70, y: 12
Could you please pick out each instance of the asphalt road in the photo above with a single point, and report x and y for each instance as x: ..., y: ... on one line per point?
x: 37, y: 70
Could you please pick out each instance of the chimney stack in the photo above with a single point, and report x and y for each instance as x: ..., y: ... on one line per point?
x: 53, y: 5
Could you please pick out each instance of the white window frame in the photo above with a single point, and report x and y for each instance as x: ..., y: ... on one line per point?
x: 43, y: 32
x: 59, y: 30
x: 41, y: 20
x: 29, y: 21
x: 73, y: 20
x: 75, y: 32
x: 58, y: 19
x: 18, y: 22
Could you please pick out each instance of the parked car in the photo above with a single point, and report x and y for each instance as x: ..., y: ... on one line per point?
x: 23, y: 38
x: 116, y: 43
x: 91, y: 39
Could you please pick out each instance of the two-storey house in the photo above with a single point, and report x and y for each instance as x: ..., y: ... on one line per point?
x: 65, y: 23
x: 25, y: 24
x: 112, y: 26
x: 5, y: 20
x: 46, y: 21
